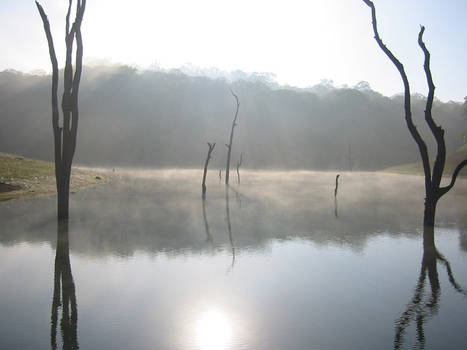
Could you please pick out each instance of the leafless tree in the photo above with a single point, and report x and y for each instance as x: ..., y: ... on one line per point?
x: 65, y: 134
x: 433, y: 189
x: 239, y: 164
x: 206, y: 163
x: 229, y: 146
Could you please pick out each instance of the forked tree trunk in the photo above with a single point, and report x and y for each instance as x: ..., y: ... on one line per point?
x: 206, y: 163
x: 65, y: 134
x: 229, y: 146
x: 433, y: 189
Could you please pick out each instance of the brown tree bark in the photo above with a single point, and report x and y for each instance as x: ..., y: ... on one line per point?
x: 229, y: 146
x: 65, y: 135
x: 206, y: 163
x: 433, y: 189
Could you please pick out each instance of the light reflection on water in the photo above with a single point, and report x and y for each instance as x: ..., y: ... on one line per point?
x: 213, y: 330
x: 264, y: 265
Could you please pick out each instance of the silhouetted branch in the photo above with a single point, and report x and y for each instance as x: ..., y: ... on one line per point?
x: 444, y: 190
x: 436, y: 130
x: 407, y: 104
x: 57, y: 131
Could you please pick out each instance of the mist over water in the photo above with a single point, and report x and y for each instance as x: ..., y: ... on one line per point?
x: 274, y: 262
x: 162, y: 210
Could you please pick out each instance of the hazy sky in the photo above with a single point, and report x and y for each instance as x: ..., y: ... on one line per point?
x: 301, y: 42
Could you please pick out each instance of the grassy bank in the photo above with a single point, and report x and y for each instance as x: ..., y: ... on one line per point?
x: 22, y: 177
x: 452, y: 160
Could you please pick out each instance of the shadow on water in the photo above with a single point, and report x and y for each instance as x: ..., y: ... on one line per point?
x: 64, y: 295
x: 425, y: 304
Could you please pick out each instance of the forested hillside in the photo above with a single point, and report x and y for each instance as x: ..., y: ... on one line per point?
x: 164, y: 119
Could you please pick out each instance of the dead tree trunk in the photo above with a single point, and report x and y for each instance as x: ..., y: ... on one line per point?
x: 206, y: 163
x: 433, y: 190
x: 239, y: 164
x: 337, y: 185
x: 229, y: 146
x: 65, y: 134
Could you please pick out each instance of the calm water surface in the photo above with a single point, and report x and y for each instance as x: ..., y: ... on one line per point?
x: 273, y: 263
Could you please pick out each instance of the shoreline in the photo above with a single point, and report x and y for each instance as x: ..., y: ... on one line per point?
x: 24, y: 178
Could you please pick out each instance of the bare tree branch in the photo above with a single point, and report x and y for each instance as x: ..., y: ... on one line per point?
x: 444, y: 190
x: 407, y: 103
x: 436, y: 130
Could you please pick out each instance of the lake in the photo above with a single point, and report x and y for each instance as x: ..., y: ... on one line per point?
x: 276, y: 262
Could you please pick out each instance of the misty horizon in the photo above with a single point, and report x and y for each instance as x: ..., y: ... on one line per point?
x: 164, y: 119
x: 324, y: 86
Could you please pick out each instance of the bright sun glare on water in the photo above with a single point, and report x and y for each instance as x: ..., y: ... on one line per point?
x: 213, y: 331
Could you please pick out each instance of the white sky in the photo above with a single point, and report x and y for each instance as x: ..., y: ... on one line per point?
x: 301, y: 42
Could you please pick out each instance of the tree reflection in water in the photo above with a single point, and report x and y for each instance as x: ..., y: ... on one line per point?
x: 229, y: 226
x: 64, y: 294
x: 206, y: 224
x: 424, y: 306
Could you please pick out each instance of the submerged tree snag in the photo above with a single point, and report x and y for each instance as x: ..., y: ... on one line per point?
x: 65, y: 135
x: 433, y: 189
x: 229, y: 146
x: 337, y: 185
x: 206, y: 163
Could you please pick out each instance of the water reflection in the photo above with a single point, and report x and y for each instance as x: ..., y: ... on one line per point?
x: 213, y: 330
x: 163, y: 214
x: 424, y: 304
x: 229, y: 225
x: 64, y: 294
x: 206, y: 224
x: 335, y: 207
